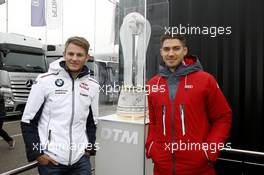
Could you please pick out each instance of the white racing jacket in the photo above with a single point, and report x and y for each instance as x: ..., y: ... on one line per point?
x: 60, y: 116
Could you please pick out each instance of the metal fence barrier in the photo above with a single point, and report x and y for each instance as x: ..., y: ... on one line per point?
x: 25, y: 168
x: 244, y: 157
x: 21, y: 169
x: 244, y: 152
x: 229, y: 151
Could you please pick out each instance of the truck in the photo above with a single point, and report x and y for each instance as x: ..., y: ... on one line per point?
x: 53, y: 52
x: 22, y: 59
x: 108, y: 73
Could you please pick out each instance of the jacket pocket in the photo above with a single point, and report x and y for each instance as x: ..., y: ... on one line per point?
x: 164, y: 120
x: 206, y: 155
x: 49, y: 139
x: 149, y: 149
x: 182, y: 115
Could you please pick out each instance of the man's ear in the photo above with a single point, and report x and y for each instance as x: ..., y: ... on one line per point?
x: 185, y: 51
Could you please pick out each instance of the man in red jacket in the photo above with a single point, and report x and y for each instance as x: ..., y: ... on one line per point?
x: 190, y: 118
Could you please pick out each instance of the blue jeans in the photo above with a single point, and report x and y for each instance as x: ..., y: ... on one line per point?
x: 82, y: 167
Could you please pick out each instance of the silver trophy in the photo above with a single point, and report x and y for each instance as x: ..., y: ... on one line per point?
x: 134, y: 35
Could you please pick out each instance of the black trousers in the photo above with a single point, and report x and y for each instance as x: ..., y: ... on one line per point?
x: 3, y: 133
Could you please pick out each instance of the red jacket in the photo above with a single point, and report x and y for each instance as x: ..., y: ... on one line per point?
x: 186, y: 133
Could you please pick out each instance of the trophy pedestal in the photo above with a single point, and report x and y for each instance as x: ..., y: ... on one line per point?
x: 121, y: 147
x: 132, y: 103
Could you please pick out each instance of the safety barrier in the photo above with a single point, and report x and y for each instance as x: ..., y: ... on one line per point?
x: 234, y: 152
x: 243, y: 156
x: 244, y: 152
x: 21, y: 169
x: 25, y: 168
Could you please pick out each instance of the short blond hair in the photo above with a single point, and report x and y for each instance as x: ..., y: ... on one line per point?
x: 79, y: 41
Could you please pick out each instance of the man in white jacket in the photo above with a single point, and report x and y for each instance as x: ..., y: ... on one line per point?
x: 59, y: 121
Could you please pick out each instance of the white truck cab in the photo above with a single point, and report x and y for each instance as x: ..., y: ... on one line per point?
x: 21, y: 60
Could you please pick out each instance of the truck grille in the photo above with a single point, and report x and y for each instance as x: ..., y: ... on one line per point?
x: 20, y: 90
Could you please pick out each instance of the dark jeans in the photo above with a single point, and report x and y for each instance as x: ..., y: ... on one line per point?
x: 3, y: 133
x: 82, y: 167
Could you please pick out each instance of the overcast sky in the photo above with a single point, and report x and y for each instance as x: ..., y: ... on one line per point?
x: 79, y: 18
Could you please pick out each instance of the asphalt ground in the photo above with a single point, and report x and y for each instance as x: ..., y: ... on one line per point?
x: 11, y: 159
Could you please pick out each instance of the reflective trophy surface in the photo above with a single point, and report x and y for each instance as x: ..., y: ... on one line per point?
x: 134, y: 35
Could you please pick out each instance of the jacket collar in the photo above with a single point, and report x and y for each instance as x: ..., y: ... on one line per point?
x: 190, y: 64
x: 82, y: 73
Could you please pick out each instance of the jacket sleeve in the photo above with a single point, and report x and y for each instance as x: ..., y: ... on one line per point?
x: 29, y: 122
x: 220, y: 116
x: 151, y: 128
x: 92, y: 122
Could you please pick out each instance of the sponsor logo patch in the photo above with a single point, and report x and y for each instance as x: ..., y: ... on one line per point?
x: 61, y: 91
x: 82, y: 94
x: 59, y: 82
x: 84, y: 86
x: 188, y: 86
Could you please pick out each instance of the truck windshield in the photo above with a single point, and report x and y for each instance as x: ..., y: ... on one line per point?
x: 108, y: 72
x: 24, y: 62
x: 113, y: 70
x: 50, y: 59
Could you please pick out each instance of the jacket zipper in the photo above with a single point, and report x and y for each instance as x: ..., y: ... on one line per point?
x: 173, y: 138
x: 182, y: 119
x: 164, y: 119
x: 72, y: 116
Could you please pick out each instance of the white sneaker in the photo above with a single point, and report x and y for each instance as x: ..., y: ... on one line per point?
x: 11, y: 144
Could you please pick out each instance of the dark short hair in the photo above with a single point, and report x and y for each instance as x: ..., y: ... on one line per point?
x: 79, y: 41
x: 176, y: 36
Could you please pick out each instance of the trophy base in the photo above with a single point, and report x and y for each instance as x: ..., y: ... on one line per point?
x: 132, y: 104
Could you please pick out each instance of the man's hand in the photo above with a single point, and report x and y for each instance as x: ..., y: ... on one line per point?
x: 87, y: 153
x: 45, y: 159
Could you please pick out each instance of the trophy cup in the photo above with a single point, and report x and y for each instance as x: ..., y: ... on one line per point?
x: 134, y: 35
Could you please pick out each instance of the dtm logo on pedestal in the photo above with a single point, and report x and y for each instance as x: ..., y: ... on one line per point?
x: 118, y: 135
